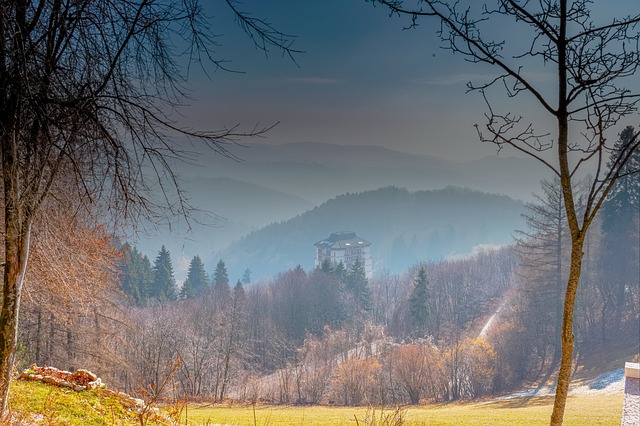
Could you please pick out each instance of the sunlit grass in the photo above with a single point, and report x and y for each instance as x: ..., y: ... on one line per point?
x: 581, y: 410
x: 43, y: 404
x: 55, y: 406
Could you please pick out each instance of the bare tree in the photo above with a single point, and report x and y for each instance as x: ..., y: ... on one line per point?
x: 88, y: 91
x: 543, y: 252
x: 591, y: 61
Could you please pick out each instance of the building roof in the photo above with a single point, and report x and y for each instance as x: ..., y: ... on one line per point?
x: 342, y: 240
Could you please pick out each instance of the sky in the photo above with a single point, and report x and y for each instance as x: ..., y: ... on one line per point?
x: 363, y: 79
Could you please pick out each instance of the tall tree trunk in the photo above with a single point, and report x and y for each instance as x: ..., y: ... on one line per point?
x: 17, y: 233
x: 567, y: 338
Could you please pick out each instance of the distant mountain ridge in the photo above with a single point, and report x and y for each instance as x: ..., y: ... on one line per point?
x: 274, y: 183
x: 403, y: 226
x: 318, y: 171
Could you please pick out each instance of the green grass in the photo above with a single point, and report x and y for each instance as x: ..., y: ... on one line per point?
x: 583, y: 410
x: 48, y: 405
x: 40, y: 403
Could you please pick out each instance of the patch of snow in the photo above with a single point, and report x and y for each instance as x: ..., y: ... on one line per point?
x: 606, y: 383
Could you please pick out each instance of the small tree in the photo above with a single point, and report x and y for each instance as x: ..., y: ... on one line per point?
x: 591, y: 61
x: 357, y: 284
x: 220, y: 277
x: 246, y: 276
x: 419, y: 302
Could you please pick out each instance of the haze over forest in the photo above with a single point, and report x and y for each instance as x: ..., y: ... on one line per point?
x: 275, y: 183
x: 318, y: 223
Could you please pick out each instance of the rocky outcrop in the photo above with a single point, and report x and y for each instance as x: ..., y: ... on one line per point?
x: 79, y: 381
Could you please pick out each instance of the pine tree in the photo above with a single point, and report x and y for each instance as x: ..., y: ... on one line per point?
x: 358, y: 285
x: 618, y: 263
x: 164, y: 284
x: 340, y: 273
x: 327, y: 266
x: 419, y: 301
x: 221, y: 289
x: 246, y: 276
x: 197, y: 281
x: 238, y: 293
x: 137, y: 274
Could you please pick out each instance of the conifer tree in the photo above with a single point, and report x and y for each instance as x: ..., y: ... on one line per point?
x: 618, y: 263
x: 246, y: 276
x: 164, y: 283
x: 238, y: 292
x: 197, y: 281
x: 340, y: 273
x: 327, y: 266
x: 419, y: 301
x: 358, y: 285
x: 137, y: 274
x: 221, y: 288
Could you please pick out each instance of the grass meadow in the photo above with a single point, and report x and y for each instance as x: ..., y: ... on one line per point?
x: 603, y: 409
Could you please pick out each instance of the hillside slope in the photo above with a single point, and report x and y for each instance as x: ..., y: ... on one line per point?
x: 404, y: 227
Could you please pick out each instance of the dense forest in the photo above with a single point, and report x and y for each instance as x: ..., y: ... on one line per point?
x: 438, y: 331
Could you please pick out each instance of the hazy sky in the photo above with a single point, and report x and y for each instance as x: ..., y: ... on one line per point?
x: 362, y: 80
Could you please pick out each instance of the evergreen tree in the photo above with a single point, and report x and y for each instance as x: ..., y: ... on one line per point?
x: 618, y: 263
x: 327, y: 266
x: 358, y: 285
x: 238, y: 293
x: 197, y: 281
x: 246, y: 276
x: 623, y: 202
x: 164, y: 284
x: 137, y: 274
x: 340, y: 273
x: 419, y: 301
x: 221, y: 288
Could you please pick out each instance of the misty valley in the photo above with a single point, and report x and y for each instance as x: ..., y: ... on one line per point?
x: 452, y: 294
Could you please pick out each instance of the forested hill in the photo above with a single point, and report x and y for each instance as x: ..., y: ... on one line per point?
x: 402, y: 226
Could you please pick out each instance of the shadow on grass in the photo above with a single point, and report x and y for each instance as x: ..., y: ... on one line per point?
x: 531, y: 401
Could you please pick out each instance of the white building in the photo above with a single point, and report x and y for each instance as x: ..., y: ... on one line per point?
x: 345, y: 247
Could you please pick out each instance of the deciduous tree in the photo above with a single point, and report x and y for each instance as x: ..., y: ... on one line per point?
x: 87, y: 92
x: 591, y: 60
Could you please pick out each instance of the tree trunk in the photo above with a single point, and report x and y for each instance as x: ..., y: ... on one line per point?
x: 17, y: 232
x: 38, y: 355
x: 567, y: 338
x: 14, y: 271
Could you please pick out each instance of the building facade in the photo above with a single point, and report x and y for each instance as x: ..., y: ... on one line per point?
x: 345, y: 247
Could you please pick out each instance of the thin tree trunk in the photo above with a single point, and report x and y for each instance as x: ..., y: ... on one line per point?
x: 567, y: 338
x: 38, y: 337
